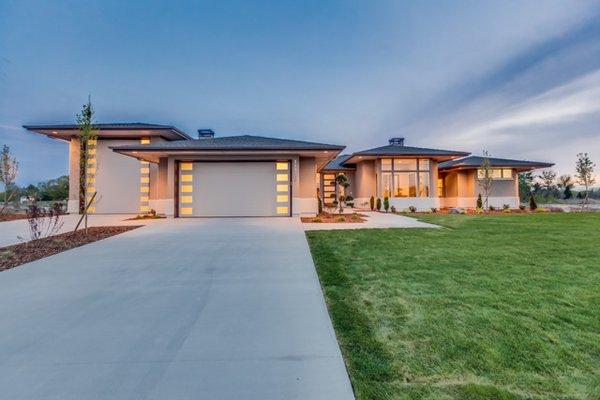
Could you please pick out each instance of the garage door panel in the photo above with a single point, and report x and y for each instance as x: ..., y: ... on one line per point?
x: 240, y: 189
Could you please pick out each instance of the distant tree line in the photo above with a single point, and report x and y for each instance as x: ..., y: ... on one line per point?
x: 51, y: 190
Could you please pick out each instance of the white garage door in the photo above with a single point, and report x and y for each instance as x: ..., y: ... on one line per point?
x: 234, y: 189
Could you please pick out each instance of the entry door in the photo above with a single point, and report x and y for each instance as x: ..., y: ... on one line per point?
x: 234, y: 189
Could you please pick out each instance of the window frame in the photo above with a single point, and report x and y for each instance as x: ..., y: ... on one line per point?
x: 389, y: 162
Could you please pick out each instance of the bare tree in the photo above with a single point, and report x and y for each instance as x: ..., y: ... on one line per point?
x: 9, y: 169
x: 485, y: 178
x: 87, y: 141
x: 585, y: 175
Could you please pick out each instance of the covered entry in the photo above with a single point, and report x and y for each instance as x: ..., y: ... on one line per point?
x: 234, y: 189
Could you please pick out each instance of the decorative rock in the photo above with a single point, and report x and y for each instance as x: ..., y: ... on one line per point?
x: 457, y: 210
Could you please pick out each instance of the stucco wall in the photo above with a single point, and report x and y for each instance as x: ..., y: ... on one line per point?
x: 73, y: 202
x: 462, y: 189
x: 365, y: 182
x: 117, y: 179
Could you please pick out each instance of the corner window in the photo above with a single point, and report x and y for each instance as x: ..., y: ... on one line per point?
x: 405, y: 164
x: 496, y: 173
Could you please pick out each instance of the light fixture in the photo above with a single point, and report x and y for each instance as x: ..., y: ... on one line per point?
x: 135, y: 152
x: 55, y: 133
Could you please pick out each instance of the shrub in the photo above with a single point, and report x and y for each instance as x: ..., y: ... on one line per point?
x: 433, y: 210
x: 342, y: 198
x: 378, y: 204
x: 479, y: 201
x: 542, y: 210
x: 393, y: 209
x: 506, y: 211
x: 44, y: 223
x: 350, y: 204
x: 340, y: 219
x: 349, y: 198
x: 317, y: 220
x: 372, y: 202
x: 479, y: 210
x: 522, y: 207
x: 386, y: 204
x: 412, y: 209
x: 492, y: 208
x: 532, y: 204
x: 319, y: 205
x: 506, y: 206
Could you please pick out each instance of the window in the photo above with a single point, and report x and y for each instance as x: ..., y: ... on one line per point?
x: 282, y: 166
x: 496, y: 173
x: 405, y: 164
x: 423, y: 184
x: 405, y: 184
x: 407, y: 177
x: 386, y: 164
x: 386, y: 184
x: 440, y: 187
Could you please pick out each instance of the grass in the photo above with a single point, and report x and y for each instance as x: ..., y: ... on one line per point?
x: 489, y: 307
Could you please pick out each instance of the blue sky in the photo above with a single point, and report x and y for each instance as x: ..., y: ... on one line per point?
x: 518, y: 78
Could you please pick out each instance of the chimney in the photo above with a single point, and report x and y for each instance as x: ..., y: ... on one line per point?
x: 397, y: 141
x: 206, y: 134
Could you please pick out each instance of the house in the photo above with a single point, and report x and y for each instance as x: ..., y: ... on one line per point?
x: 136, y: 167
x: 133, y: 168
x: 421, y: 177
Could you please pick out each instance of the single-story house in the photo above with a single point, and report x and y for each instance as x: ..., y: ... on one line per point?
x: 136, y: 167
x: 421, y: 177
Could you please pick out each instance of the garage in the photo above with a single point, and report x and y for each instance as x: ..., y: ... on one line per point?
x: 234, y: 189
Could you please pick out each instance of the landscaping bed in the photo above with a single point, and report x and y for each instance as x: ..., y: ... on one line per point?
x: 18, y: 254
x: 495, y: 307
x: 12, y: 216
x: 327, y: 218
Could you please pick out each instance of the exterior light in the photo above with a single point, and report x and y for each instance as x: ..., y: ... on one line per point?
x: 55, y: 133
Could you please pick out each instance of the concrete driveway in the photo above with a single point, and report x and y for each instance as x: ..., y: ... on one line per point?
x: 186, y: 309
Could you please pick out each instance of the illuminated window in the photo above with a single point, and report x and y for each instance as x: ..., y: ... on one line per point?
x: 282, y: 198
x: 144, y: 208
x: 91, y: 209
x: 423, y: 184
x: 91, y: 170
x: 91, y: 161
x: 91, y: 189
x: 91, y: 180
x: 92, y: 142
x: 143, y: 198
x: 282, y: 177
x: 91, y: 151
x: 440, y: 187
x: 186, y: 199
x: 145, y: 162
x: 282, y: 188
x: 282, y: 166
x: 405, y: 164
x: 495, y: 173
x: 282, y: 210
x: 144, y: 189
x: 145, y: 140
x: 423, y: 164
x: 187, y: 189
x: 186, y: 178
x: 507, y: 173
x: 188, y: 166
x: 145, y: 179
x: 386, y: 164
x: 185, y: 210
x: 386, y: 184
x: 145, y: 170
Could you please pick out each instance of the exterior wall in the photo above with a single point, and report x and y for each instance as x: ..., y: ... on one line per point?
x: 365, y: 183
x: 117, y: 180
x: 305, y: 200
x: 162, y: 187
x: 73, y: 202
x: 462, y: 190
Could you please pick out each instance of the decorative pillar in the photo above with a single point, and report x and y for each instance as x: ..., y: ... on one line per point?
x: 144, y: 182
x: 90, y: 173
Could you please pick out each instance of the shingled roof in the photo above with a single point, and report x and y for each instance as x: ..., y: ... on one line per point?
x: 477, y: 161
x: 337, y: 164
x: 243, y: 142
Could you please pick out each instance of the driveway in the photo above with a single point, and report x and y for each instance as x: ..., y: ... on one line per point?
x: 186, y: 309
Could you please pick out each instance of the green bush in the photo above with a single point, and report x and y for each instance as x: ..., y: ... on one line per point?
x: 378, y: 204
x: 412, y: 209
x: 479, y: 201
x: 372, y: 201
x: 532, y: 203
x: 386, y: 204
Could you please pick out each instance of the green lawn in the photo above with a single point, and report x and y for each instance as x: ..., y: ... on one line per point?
x: 489, y: 307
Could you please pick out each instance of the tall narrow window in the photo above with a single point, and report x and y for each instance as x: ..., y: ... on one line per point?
x: 386, y: 184
x: 423, y: 184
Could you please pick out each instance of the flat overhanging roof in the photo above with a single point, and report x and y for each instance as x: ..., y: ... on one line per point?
x: 112, y: 131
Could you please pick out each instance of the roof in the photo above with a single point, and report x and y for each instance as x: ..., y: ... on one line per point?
x: 243, y: 143
x: 476, y: 162
x: 401, y: 150
x: 337, y: 164
x: 121, y: 129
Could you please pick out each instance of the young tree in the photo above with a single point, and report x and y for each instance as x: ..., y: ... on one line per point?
x: 9, y: 169
x: 585, y: 175
x: 341, y: 181
x: 526, y: 180
x: 548, y: 179
x: 87, y: 139
x: 485, y: 178
x: 565, y: 182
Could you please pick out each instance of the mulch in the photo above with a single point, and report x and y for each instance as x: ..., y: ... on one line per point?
x: 12, y: 217
x: 18, y: 254
x: 327, y: 218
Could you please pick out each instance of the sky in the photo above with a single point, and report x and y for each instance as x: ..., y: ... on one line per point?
x: 520, y: 79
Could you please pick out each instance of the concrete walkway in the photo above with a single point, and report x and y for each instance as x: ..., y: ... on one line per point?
x: 13, y: 232
x: 185, y: 309
x: 375, y: 220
